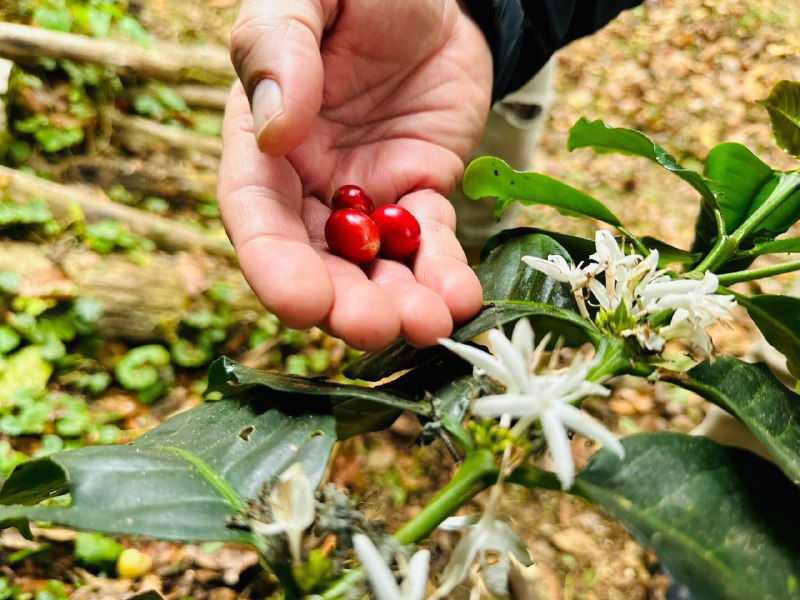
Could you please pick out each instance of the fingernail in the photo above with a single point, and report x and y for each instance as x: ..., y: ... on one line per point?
x: 267, y: 104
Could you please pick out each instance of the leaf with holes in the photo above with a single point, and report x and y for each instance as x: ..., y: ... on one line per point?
x: 357, y: 408
x: 182, y: 480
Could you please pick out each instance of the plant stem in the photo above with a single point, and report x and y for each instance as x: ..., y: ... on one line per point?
x: 719, y: 218
x: 613, y: 358
x: 788, y: 184
x: 727, y: 246
x: 477, y: 472
x: 637, y: 243
x: 723, y: 249
x: 739, y: 276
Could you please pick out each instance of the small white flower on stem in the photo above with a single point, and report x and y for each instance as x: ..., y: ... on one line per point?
x: 530, y: 396
x: 549, y: 400
x: 609, y: 255
x: 695, y: 297
x: 484, y: 538
x: 292, y: 504
x: 381, y: 578
x: 557, y: 267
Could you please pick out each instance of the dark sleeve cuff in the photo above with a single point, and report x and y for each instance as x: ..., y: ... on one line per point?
x: 524, y: 34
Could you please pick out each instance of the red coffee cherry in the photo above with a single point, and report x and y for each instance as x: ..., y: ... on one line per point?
x: 399, y: 229
x: 352, y: 235
x: 352, y: 196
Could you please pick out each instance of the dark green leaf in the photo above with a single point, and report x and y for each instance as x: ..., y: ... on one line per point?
x: 722, y: 521
x: 783, y: 105
x: 670, y: 255
x: 151, y: 488
x: 762, y: 403
x: 504, y: 276
x: 544, y: 318
x: 577, y: 247
x: 490, y: 177
x: 778, y: 318
x: 605, y: 139
x: 357, y: 408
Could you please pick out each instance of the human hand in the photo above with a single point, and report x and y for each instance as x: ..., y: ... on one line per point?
x: 391, y: 96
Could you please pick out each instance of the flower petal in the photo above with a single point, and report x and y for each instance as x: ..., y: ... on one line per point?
x: 579, y: 421
x: 479, y: 358
x: 548, y: 267
x: 522, y: 339
x: 511, y: 359
x: 516, y: 405
x: 558, y: 443
x: 380, y: 576
x: 416, y: 579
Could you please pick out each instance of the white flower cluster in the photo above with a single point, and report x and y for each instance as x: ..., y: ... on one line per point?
x: 634, y: 290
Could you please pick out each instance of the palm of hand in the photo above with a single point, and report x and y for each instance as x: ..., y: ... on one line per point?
x: 412, y: 108
x: 398, y: 117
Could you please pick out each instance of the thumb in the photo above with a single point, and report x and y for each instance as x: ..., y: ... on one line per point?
x: 275, y: 50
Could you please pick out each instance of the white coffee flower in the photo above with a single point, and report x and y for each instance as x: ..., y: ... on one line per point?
x: 608, y: 254
x: 292, y: 504
x: 381, y: 578
x: 695, y: 297
x: 549, y: 400
x: 546, y: 397
x: 559, y: 269
x: 484, y: 537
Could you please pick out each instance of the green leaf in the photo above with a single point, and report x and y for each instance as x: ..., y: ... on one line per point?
x: 605, y: 139
x: 491, y: 177
x: 400, y: 355
x: 131, y: 27
x: 778, y: 318
x: 504, y: 276
x: 786, y: 213
x: 786, y: 245
x: 741, y: 176
x: 152, y: 488
x: 9, y: 339
x: 357, y: 408
x: 783, y: 106
x: 754, y: 396
x: 54, y: 139
x: 26, y: 369
x: 57, y: 18
x: 143, y: 367
x: 722, y: 521
x: 96, y: 550
x: 670, y: 255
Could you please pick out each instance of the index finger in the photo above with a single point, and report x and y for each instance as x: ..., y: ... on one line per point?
x: 261, y: 198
